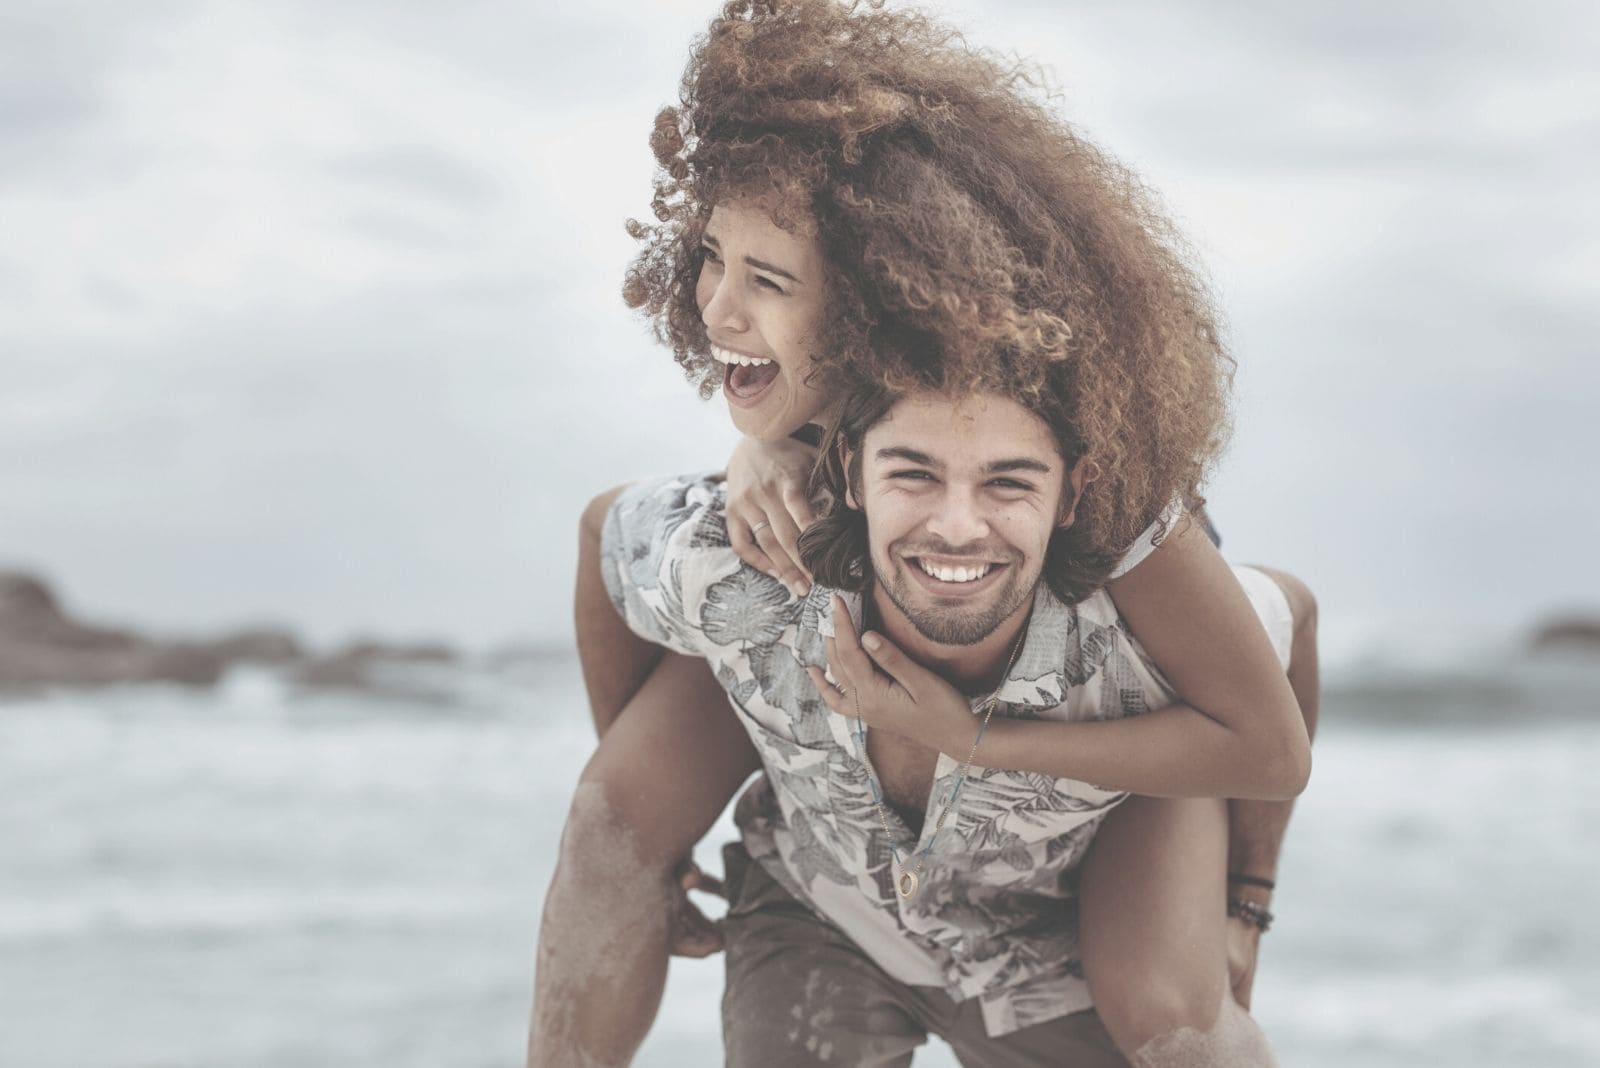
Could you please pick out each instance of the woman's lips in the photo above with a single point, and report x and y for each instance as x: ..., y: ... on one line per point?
x: 746, y: 385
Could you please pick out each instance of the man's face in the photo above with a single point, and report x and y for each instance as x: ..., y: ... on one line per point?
x: 961, y: 497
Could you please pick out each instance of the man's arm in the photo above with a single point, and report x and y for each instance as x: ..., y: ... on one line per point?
x: 615, y: 661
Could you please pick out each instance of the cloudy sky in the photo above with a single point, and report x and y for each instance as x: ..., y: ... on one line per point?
x: 309, y: 313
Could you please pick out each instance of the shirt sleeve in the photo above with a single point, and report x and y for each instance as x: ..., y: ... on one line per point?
x: 673, y: 576
x: 1153, y: 536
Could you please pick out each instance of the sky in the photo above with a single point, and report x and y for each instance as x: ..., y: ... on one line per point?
x: 310, y: 314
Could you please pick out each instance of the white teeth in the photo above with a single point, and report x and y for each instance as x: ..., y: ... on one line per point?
x: 722, y: 355
x: 955, y: 574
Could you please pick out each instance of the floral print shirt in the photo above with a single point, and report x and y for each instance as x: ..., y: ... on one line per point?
x: 994, y: 917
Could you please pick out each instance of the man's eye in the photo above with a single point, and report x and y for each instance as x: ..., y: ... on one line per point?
x: 1010, y: 484
x: 912, y: 476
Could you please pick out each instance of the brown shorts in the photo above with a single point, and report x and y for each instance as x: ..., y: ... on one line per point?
x: 800, y: 993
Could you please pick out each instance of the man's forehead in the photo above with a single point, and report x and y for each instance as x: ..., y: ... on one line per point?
x: 974, y: 429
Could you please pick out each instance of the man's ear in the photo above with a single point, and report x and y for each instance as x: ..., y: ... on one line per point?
x: 1083, y: 472
x: 844, y: 454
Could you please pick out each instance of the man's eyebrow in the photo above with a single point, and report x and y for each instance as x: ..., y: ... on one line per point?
x: 760, y: 265
x: 908, y: 454
x: 998, y: 467
x: 1021, y: 463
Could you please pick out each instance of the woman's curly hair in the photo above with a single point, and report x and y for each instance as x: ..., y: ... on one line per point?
x: 972, y: 240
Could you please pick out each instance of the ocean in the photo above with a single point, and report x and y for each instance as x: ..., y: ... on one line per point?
x: 256, y: 875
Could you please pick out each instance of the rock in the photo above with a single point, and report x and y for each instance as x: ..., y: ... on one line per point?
x: 41, y: 645
x: 263, y: 645
x: 1574, y: 634
x: 371, y: 665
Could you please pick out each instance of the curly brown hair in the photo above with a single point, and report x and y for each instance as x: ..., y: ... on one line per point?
x: 972, y: 240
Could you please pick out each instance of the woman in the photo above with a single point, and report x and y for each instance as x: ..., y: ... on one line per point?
x: 849, y: 196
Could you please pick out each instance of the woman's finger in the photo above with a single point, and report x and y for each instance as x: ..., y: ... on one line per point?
x: 831, y: 695
x: 786, y: 567
x: 799, y: 506
x: 788, y: 535
x: 856, y: 663
x: 745, y: 546
x: 893, y: 662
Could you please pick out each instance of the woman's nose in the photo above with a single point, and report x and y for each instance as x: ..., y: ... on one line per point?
x: 722, y: 310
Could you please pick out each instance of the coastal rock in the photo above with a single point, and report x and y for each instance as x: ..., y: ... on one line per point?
x: 41, y: 645
x: 371, y: 665
x: 1575, y: 634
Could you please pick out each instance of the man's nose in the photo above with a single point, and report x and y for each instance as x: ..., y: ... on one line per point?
x: 958, y: 519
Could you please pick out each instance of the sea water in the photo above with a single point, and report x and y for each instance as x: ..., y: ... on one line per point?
x: 255, y: 875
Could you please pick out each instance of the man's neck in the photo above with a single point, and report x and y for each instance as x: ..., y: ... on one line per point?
x: 972, y: 669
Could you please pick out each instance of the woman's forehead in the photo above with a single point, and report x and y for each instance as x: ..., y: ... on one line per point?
x: 753, y: 220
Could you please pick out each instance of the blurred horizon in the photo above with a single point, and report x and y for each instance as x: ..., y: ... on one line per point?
x: 309, y: 315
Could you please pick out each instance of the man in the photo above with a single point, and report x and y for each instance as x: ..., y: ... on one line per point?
x: 917, y: 876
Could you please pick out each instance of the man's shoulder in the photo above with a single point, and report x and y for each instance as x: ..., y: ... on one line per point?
x: 688, y: 510
x: 668, y: 554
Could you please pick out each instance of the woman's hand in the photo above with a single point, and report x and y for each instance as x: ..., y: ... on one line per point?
x: 890, y: 691
x: 768, y: 507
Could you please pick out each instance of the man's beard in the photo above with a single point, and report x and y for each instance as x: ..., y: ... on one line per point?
x: 966, y: 625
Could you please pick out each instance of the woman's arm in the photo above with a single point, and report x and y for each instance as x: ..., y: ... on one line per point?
x: 1197, y: 624
x: 1186, y: 608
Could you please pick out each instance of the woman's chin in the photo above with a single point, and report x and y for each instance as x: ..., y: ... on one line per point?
x: 761, y: 424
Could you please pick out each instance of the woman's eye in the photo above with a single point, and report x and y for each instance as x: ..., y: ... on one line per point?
x: 768, y: 283
x: 710, y: 254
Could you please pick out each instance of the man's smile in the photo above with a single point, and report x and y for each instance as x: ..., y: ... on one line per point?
x: 955, y: 576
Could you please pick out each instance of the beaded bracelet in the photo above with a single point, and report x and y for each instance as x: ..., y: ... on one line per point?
x: 1257, y: 916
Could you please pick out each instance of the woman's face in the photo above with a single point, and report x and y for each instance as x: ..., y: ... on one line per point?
x: 761, y: 296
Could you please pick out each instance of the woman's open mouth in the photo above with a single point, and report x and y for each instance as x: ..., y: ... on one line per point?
x: 745, y: 379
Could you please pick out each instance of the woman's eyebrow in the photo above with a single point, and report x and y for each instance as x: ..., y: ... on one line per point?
x: 760, y: 265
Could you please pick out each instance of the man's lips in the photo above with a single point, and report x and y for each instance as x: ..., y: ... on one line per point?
x: 959, y: 571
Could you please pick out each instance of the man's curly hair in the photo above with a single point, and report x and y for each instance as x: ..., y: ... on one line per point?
x: 972, y: 240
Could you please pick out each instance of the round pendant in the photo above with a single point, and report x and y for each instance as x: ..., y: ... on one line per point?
x: 907, y: 884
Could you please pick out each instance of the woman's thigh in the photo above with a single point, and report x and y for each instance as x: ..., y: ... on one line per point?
x: 672, y: 759
x: 1152, y: 916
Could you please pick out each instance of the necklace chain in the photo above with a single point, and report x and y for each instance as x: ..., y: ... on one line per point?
x: 908, y: 881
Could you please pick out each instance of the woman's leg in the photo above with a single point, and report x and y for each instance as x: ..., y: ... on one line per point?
x: 662, y: 773
x: 1152, y: 923
x: 658, y: 780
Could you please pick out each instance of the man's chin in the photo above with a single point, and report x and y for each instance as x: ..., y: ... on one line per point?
x: 952, y: 621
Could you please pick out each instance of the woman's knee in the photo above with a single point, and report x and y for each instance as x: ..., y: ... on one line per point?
x: 1302, y: 602
x: 1137, y: 1004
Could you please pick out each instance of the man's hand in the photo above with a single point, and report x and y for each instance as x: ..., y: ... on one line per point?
x: 1244, y: 941
x: 890, y: 691
x: 693, y: 933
